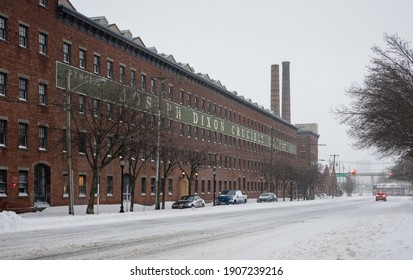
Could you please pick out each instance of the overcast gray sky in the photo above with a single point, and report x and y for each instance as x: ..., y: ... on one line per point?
x: 327, y: 42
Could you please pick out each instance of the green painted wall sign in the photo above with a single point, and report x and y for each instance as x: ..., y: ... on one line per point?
x: 178, y: 112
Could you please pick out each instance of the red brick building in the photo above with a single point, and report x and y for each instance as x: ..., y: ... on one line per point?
x: 39, y: 38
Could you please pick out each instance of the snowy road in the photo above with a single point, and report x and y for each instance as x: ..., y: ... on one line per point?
x: 339, y: 228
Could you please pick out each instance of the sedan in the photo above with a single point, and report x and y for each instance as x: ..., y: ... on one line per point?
x: 267, y: 197
x: 381, y: 196
x: 189, y: 201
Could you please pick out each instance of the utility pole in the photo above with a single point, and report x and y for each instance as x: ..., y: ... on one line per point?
x: 158, y: 142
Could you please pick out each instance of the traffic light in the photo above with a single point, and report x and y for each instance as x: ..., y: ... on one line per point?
x: 390, y: 174
x: 353, y: 172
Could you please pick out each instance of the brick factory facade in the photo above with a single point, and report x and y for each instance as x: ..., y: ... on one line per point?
x: 41, y: 41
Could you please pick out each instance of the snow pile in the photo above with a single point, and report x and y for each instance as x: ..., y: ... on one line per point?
x: 10, y: 221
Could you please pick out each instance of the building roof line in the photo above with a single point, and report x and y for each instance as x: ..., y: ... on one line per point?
x: 63, y: 12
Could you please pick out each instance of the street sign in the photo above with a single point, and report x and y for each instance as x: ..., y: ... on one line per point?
x: 341, y: 175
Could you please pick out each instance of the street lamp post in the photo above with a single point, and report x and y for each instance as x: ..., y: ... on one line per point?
x: 214, y: 172
x: 68, y: 108
x: 122, y: 165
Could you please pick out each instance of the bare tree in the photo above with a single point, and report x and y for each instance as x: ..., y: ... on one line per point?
x: 349, y: 185
x: 103, y: 122
x: 383, y: 104
x: 192, y: 161
x: 403, y: 169
x: 307, y: 180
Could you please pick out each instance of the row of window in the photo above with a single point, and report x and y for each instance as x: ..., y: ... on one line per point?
x: 184, y: 129
x: 205, y: 186
x: 23, y: 135
x: 22, y: 183
x: 222, y: 161
x: 24, y: 35
x: 24, y: 89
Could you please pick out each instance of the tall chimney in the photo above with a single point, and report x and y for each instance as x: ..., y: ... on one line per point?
x: 286, y: 102
x: 275, y: 89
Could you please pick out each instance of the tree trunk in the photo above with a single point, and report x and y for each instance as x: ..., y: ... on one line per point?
x: 132, y: 192
x: 91, y: 204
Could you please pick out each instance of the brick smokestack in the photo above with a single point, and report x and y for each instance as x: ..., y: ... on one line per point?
x: 286, y: 102
x: 275, y: 89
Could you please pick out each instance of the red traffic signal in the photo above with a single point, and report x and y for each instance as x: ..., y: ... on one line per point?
x: 390, y: 174
x: 353, y: 172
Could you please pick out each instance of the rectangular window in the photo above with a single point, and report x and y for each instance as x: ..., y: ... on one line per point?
x: 2, y: 84
x: 196, y: 131
x: 133, y: 78
x: 65, y: 185
x: 42, y: 94
x: 170, y: 92
x: 143, y: 82
x: 109, y: 185
x: 42, y: 137
x: 209, y: 186
x: 153, y: 86
x: 82, y: 59
x: 3, y: 132
x: 153, y: 182
x: 202, y: 186
x: 81, y: 104
x: 3, y: 28
x: 181, y: 97
x: 22, y: 89
x: 96, y: 106
x: 109, y: 69
x: 189, y: 99
x: 23, y: 129
x: 143, y: 185
x: 42, y: 43
x: 82, y: 142
x: 82, y: 185
x: 23, y: 181
x: 3, y: 182
x: 196, y: 102
x: 23, y: 36
x: 202, y: 105
x: 96, y: 64
x: 189, y: 131
x: 66, y: 52
x: 181, y: 129
x: 170, y: 186
x: 122, y: 74
x: 196, y: 186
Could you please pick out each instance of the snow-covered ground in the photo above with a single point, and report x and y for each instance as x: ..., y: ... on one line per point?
x: 349, y: 229
x: 386, y: 235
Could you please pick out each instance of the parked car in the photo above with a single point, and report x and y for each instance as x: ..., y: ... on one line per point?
x: 381, y: 196
x: 231, y: 197
x: 267, y: 197
x: 189, y: 201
